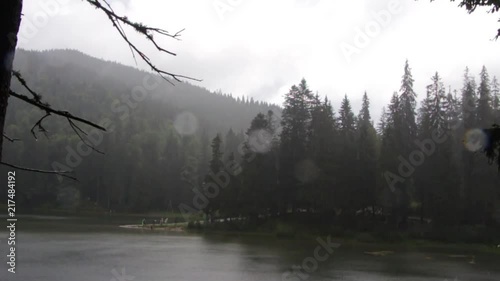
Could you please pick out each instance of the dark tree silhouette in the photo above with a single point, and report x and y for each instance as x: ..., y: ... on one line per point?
x: 492, y: 150
x: 472, y: 5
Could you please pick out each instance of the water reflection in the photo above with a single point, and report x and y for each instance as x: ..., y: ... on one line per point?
x: 151, y: 256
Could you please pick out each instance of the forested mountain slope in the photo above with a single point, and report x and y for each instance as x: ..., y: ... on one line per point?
x: 320, y: 160
x: 157, y: 127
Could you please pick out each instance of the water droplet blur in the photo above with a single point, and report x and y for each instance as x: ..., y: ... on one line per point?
x: 306, y: 171
x: 186, y: 124
x: 260, y: 141
x: 475, y: 140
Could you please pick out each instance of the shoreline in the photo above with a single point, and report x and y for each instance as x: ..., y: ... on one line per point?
x: 179, y: 227
x: 125, y: 222
x: 350, y: 242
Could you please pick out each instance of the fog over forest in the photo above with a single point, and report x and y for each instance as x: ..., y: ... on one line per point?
x: 250, y: 140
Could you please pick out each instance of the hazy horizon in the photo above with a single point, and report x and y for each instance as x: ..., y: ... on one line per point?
x: 230, y: 51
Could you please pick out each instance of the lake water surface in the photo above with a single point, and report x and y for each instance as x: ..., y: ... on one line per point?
x: 113, y: 254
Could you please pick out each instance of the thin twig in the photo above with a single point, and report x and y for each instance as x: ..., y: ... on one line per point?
x: 40, y: 126
x: 123, y: 30
x: 10, y: 139
x: 37, y: 101
x: 59, y: 173
x: 36, y: 96
x: 76, y: 129
x: 47, y: 109
x: 148, y: 32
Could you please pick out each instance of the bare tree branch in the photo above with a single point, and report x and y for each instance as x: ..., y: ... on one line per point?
x: 36, y: 97
x: 9, y: 138
x: 472, y: 5
x: 123, y: 30
x: 76, y: 129
x: 40, y: 126
x: 37, y: 101
x: 48, y: 109
x: 59, y: 173
x: 148, y: 32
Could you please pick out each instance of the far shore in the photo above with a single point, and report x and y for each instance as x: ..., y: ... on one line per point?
x: 176, y: 223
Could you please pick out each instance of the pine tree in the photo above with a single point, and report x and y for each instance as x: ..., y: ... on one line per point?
x: 211, y: 187
x: 453, y: 113
x: 216, y: 163
x: 394, y: 115
x: 407, y: 127
x: 396, y: 193
x: 364, y: 115
x: 346, y: 118
x: 320, y: 127
x: 348, y: 179
x: 321, y: 151
x: 484, y: 110
x: 435, y: 104
x: 469, y: 101
x: 295, y: 120
x: 230, y: 204
x: 495, y: 92
x: 469, y: 121
x: 407, y: 106
x: 390, y: 144
x: 482, y: 171
x: 367, y: 165
x: 204, y: 155
x: 382, y: 123
x: 232, y: 142
x: 259, y: 178
x: 453, y: 110
x: 437, y: 178
x: 172, y: 161
x: 454, y: 120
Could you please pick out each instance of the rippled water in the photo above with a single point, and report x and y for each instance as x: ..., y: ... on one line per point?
x: 131, y: 255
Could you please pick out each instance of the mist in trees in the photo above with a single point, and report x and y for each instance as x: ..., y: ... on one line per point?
x: 423, y: 163
x: 307, y: 160
x: 150, y: 142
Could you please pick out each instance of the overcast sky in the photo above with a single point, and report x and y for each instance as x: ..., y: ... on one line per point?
x: 261, y: 48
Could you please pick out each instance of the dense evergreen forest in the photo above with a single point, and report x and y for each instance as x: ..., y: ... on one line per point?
x: 152, y: 137
x: 183, y: 148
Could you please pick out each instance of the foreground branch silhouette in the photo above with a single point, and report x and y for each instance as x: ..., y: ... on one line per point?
x: 10, y: 19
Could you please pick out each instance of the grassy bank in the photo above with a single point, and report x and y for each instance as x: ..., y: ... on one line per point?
x: 474, y: 237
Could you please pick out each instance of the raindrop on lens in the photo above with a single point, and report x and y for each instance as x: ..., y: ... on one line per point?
x: 186, y: 124
x: 475, y: 140
x: 260, y: 141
